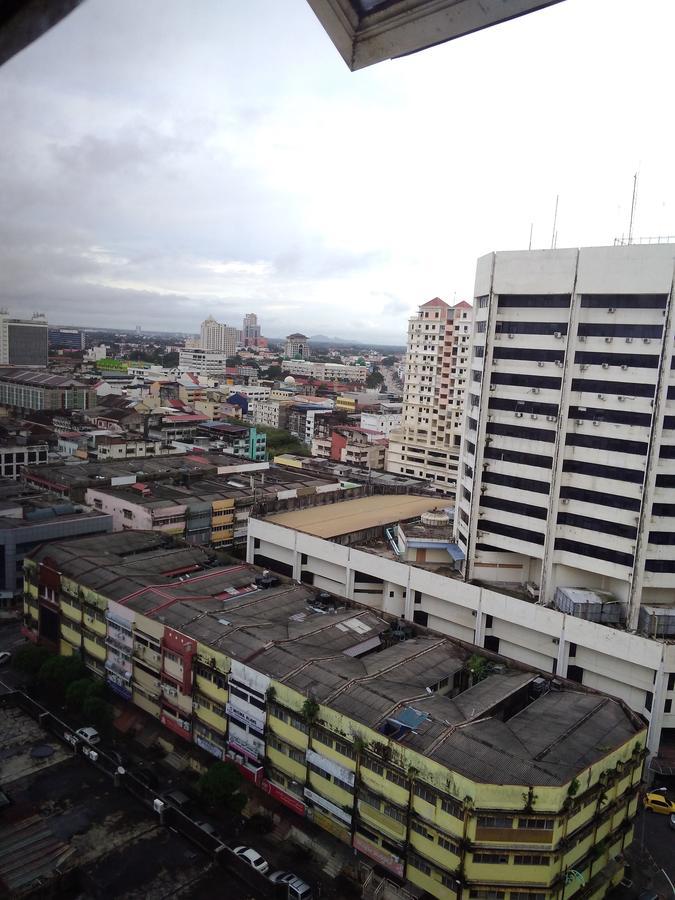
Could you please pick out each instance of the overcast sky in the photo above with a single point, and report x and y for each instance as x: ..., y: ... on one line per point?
x: 164, y: 160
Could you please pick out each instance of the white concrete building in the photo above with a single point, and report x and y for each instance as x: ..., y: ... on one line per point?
x: 427, y: 443
x: 326, y: 371
x: 382, y: 421
x: 568, y: 463
x: 219, y: 337
x: 409, y: 572
x: 255, y: 392
x: 272, y: 413
x: 207, y: 363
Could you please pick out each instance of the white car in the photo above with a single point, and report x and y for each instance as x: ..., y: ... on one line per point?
x: 253, y: 858
x: 88, y: 734
x: 5, y: 657
x: 297, y: 888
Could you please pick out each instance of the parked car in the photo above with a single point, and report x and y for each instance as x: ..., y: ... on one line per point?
x: 5, y: 657
x: 88, y: 734
x: 297, y: 888
x: 177, y: 799
x: 659, y: 803
x: 207, y: 827
x: 253, y: 858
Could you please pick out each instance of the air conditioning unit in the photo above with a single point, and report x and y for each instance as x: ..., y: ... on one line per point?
x: 583, y: 367
x: 519, y: 415
x: 540, y: 364
x: 611, y: 310
x: 535, y: 390
x: 646, y: 340
x: 580, y: 421
x: 493, y: 387
x: 605, y: 365
x: 534, y: 416
x: 557, y: 334
x: 596, y: 421
x: 550, y: 418
x: 510, y: 336
x: 624, y: 367
x: 629, y: 340
x: 621, y: 398
x: 601, y: 396
x: 582, y: 338
x: 608, y: 340
x: 564, y: 500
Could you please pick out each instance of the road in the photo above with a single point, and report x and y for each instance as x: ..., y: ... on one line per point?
x: 10, y: 639
x: 659, y: 841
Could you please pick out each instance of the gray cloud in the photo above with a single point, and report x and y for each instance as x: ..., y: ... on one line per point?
x: 163, y: 160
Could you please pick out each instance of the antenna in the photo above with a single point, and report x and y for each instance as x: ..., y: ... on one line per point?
x: 531, y: 228
x: 632, y: 208
x: 554, y: 233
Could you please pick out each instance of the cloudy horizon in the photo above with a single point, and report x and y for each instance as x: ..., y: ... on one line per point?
x: 164, y: 161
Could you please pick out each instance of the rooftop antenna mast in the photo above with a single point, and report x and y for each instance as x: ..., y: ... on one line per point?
x: 531, y: 229
x: 554, y: 233
x: 632, y: 208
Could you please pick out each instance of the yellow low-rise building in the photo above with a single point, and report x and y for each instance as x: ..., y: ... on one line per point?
x: 508, y: 785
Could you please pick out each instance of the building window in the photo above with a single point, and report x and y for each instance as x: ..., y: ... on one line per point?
x: 530, y: 860
x: 536, y: 824
x: 128, y: 514
x: 491, y: 858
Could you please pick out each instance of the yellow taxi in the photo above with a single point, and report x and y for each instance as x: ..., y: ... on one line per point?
x: 659, y: 803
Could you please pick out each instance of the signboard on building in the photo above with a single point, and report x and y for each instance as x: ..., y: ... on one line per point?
x: 387, y: 860
x: 209, y: 746
x: 287, y: 799
x: 330, y: 766
x: 331, y: 807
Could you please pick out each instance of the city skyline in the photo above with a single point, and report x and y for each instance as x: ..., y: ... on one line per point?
x: 223, y: 185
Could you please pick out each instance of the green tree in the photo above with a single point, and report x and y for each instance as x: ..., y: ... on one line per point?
x: 374, y: 379
x: 57, y: 673
x: 388, y: 361
x: 30, y: 658
x: 97, y: 712
x: 78, y: 692
x: 221, y: 786
x: 274, y: 372
x: 170, y: 360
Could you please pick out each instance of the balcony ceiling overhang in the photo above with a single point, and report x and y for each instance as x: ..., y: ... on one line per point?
x: 369, y: 31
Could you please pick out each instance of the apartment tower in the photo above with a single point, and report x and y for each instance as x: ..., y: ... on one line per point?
x: 219, y: 337
x: 251, y: 330
x: 568, y: 456
x: 427, y: 443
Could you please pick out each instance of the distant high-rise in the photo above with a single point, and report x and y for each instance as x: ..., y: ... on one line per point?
x: 568, y: 455
x: 297, y: 346
x: 217, y: 336
x: 66, y: 339
x: 251, y: 330
x: 427, y: 443
x: 23, y: 342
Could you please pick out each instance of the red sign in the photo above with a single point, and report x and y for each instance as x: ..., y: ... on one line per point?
x: 287, y: 799
x: 380, y: 856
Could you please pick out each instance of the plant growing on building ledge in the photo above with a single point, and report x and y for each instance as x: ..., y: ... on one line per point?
x: 310, y: 710
x: 573, y: 789
x: 479, y: 668
x: 271, y: 694
x: 529, y: 799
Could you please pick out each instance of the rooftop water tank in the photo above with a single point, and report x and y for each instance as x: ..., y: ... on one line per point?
x: 435, y: 517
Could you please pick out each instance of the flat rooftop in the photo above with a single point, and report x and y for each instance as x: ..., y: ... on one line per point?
x: 354, y: 515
